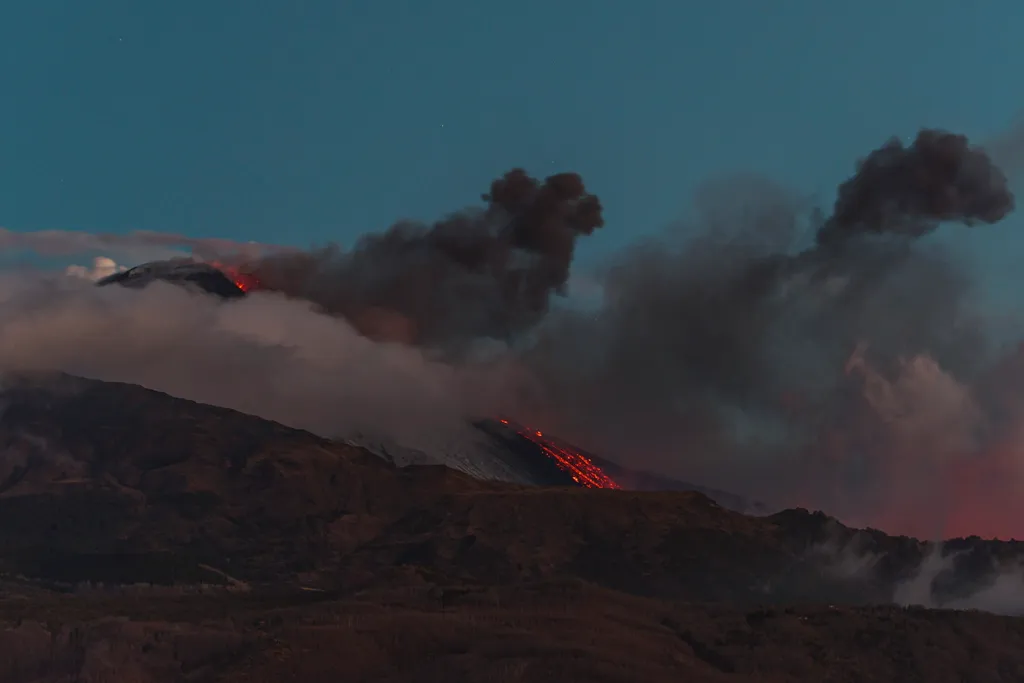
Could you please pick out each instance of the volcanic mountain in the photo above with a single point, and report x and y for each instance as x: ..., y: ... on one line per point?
x: 499, y: 449
x: 187, y: 272
x: 148, y: 538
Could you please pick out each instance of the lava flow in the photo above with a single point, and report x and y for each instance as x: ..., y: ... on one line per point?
x: 244, y: 281
x: 581, y: 468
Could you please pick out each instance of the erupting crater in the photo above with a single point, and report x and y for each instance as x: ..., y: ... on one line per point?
x: 579, y: 467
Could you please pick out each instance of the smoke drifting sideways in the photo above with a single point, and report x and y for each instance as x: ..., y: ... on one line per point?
x: 854, y: 375
x: 265, y: 355
x: 476, y: 274
x: 960, y: 575
x: 312, y: 348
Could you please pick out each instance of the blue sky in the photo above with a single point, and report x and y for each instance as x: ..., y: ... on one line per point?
x: 304, y: 122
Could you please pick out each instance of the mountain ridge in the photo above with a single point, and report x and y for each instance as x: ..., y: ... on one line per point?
x: 135, y: 519
x: 159, y: 474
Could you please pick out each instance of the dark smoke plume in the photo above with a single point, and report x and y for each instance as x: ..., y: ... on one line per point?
x: 854, y: 375
x: 835, y: 377
x: 488, y: 273
x: 911, y: 190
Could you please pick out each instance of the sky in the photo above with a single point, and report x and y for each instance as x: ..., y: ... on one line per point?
x: 313, y: 121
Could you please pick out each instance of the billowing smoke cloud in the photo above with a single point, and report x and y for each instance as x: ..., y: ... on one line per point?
x: 843, y: 377
x: 959, y: 575
x: 313, y: 348
x: 910, y: 190
x: 852, y: 375
x: 475, y: 274
x: 264, y: 355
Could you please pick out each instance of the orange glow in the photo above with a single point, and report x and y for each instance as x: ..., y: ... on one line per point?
x: 244, y: 281
x: 581, y: 468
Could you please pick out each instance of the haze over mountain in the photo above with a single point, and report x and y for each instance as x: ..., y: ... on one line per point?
x: 143, y: 525
x: 836, y: 360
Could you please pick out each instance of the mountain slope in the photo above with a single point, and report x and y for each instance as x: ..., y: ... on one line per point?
x: 311, y: 551
x: 499, y: 450
x: 106, y: 482
x: 537, y: 633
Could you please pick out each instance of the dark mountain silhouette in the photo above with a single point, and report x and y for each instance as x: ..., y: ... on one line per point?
x: 185, y: 272
x: 527, y: 460
x: 148, y: 538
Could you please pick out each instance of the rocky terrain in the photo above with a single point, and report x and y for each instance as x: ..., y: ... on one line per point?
x: 147, y: 538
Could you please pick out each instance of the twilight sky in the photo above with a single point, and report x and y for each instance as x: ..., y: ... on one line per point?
x: 316, y: 120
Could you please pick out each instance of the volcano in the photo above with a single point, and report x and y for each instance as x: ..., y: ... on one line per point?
x: 185, y: 272
x: 502, y: 450
x: 509, y: 451
x: 160, y: 536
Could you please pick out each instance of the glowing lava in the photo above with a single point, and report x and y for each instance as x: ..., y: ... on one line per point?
x: 581, y: 468
x: 244, y: 281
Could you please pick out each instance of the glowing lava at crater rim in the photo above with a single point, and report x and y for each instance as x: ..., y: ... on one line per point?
x: 581, y: 468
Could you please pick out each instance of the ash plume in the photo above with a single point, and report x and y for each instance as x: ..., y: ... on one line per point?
x: 264, y: 355
x: 911, y: 189
x: 488, y: 273
x: 315, y: 347
x: 726, y: 357
x: 833, y: 361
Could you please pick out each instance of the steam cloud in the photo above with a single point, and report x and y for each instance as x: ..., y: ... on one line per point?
x: 264, y: 355
x: 101, y: 267
x: 853, y: 374
x: 963, y: 574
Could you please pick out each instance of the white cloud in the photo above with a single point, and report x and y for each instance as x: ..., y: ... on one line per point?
x: 102, y: 266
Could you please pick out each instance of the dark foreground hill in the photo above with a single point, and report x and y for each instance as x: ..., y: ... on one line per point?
x: 146, y: 538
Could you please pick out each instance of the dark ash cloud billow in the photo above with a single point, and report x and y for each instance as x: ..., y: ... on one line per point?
x: 853, y: 375
x: 485, y: 273
x: 910, y: 190
x: 727, y: 357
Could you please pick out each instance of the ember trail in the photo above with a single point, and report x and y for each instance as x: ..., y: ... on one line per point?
x: 581, y: 468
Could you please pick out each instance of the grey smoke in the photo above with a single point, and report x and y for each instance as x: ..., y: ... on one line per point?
x: 834, y: 360
x: 944, y: 577
x: 725, y: 358
x: 265, y: 355
x: 1000, y: 592
x: 488, y: 273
